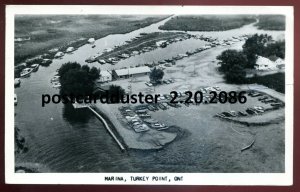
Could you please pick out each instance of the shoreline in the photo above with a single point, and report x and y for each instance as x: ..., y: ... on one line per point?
x: 64, y: 46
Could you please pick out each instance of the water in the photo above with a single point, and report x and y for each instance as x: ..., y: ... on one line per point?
x: 65, y: 140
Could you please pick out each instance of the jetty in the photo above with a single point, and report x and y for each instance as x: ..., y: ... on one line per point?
x: 80, y: 106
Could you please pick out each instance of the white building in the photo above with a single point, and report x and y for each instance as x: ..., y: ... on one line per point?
x: 280, y: 64
x: 130, y: 72
x: 105, y: 76
x: 263, y: 63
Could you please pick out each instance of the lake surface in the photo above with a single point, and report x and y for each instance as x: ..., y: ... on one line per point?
x: 61, y: 139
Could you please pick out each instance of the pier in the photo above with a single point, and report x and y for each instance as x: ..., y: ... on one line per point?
x: 107, y: 128
x: 80, y: 106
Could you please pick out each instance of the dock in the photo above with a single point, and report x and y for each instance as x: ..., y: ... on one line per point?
x: 82, y: 105
x: 107, y: 128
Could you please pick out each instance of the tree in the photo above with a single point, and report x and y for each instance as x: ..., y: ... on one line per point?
x: 115, y: 93
x: 254, y: 46
x: 276, y: 49
x: 236, y: 74
x: 156, y: 75
x: 94, y: 73
x: 233, y: 64
x: 230, y: 58
x: 76, y: 79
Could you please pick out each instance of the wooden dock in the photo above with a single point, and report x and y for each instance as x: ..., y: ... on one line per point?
x: 80, y: 106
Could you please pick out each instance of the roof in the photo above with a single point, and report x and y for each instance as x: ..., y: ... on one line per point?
x: 279, y: 61
x: 263, y: 61
x: 132, y: 71
x: 105, y: 73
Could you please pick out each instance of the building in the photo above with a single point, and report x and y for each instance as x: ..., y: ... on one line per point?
x: 130, y: 72
x: 263, y: 63
x: 280, y: 64
x: 105, y: 76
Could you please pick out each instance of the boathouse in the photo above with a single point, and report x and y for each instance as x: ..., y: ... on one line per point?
x: 130, y: 72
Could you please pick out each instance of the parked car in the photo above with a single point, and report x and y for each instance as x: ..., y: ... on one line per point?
x: 240, y: 113
x: 151, y: 108
x: 146, y: 115
x: 277, y: 104
x: 163, y: 107
x: 166, y: 82
x: 251, y: 111
x: 226, y: 114
x: 217, y: 88
x: 233, y: 113
x: 258, y: 107
x: 263, y: 98
x: 149, y: 84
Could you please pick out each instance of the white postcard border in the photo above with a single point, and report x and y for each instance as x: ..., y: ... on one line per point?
x: 188, y: 178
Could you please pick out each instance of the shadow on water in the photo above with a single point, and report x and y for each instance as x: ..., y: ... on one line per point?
x: 75, y: 116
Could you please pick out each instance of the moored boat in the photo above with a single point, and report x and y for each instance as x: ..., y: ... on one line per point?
x: 17, y: 82
x: 55, y: 78
x: 15, y: 99
x: 35, y: 67
x: 56, y: 85
x: 46, y: 62
x: 26, y: 72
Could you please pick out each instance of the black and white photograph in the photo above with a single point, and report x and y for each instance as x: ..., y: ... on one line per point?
x: 149, y: 94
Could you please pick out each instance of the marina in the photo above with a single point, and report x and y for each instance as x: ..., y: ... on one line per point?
x: 77, y: 138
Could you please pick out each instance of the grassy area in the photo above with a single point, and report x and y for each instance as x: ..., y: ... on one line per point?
x: 47, y: 32
x: 274, y: 81
x: 207, y: 22
x: 271, y: 22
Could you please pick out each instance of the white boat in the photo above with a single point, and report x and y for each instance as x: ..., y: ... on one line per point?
x: 59, y: 54
x: 91, y: 40
x: 56, y: 85
x: 70, y: 49
x: 101, y: 61
x: 16, y: 99
x: 35, y: 67
x: 17, y: 81
x: 26, y: 72
x: 55, y: 78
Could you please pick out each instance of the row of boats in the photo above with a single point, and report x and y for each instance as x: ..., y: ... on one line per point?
x: 55, y: 81
x: 126, y: 54
x: 212, y: 42
x: 27, y: 71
